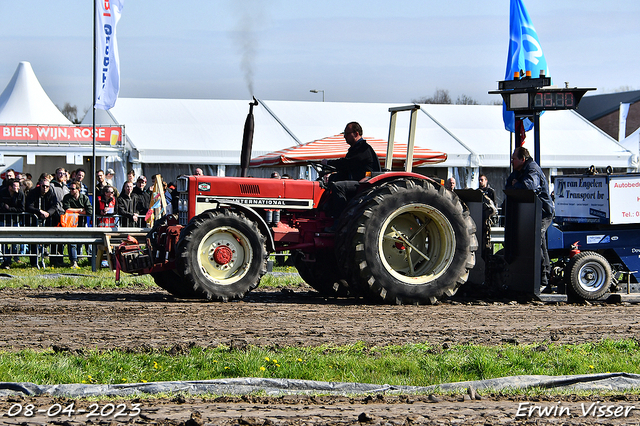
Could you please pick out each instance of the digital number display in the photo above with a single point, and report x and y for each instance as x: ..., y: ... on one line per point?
x: 540, y: 99
x: 554, y: 100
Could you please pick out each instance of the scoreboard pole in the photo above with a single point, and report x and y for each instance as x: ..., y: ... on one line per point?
x: 536, y: 137
x: 529, y: 97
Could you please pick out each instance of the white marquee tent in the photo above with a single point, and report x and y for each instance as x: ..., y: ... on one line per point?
x: 632, y: 143
x: 24, y: 101
x: 25, y: 109
x: 189, y: 131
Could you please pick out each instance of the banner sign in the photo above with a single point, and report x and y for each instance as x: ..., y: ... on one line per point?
x: 107, y: 78
x: 111, y: 135
x: 624, y: 199
x: 613, y: 199
x: 582, y: 199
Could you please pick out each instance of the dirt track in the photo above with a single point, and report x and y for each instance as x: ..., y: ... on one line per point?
x: 144, y: 319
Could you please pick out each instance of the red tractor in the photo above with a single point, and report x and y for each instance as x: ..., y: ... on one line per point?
x: 403, y: 238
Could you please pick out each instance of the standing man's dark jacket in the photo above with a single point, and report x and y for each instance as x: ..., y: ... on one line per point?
x: 489, y: 192
x: 532, y: 177
x: 11, y: 203
x: 47, y: 202
x: 126, y: 208
x: 360, y: 159
x: 142, y: 199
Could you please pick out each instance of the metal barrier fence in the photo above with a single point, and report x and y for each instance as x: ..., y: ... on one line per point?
x: 25, y: 235
x: 30, y: 219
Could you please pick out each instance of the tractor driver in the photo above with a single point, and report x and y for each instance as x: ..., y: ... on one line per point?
x: 360, y: 159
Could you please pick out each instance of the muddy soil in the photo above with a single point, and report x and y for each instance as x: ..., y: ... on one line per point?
x: 142, y: 319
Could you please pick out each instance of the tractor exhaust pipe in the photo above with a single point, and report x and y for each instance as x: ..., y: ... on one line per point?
x: 247, y: 140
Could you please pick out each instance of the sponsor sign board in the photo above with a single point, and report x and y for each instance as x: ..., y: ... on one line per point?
x: 624, y: 199
x: 582, y: 199
x: 39, y: 134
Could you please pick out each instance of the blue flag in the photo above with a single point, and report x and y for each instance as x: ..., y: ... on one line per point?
x: 525, y: 53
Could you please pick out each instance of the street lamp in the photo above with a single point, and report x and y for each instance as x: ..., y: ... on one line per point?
x: 317, y: 91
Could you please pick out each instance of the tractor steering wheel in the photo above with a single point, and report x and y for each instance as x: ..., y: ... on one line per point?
x: 322, y: 169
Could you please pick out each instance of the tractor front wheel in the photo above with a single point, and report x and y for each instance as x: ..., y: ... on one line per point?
x: 222, y: 254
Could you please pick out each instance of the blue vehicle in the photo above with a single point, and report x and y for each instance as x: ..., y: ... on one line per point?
x: 595, y: 238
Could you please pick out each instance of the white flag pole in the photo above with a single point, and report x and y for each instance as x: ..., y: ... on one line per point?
x: 93, y: 107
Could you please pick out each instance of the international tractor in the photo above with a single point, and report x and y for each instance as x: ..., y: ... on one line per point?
x: 402, y: 239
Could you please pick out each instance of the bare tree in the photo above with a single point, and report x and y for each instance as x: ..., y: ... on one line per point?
x: 71, y: 112
x: 620, y: 89
x: 466, y: 100
x: 441, y: 96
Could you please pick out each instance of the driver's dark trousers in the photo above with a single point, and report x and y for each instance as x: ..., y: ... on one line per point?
x: 341, y: 192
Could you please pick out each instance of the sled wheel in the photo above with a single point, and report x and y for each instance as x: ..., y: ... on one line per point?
x: 322, y: 275
x: 590, y: 275
x: 176, y: 285
x: 222, y: 254
x: 414, y: 243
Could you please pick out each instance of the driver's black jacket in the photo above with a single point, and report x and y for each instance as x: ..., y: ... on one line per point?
x: 360, y: 159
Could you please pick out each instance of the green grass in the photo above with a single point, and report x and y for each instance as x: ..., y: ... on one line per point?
x: 409, y: 365
x: 26, y: 276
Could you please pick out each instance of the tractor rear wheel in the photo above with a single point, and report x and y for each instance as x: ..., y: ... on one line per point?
x: 222, y: 255
x: 322, y: 274
x: 590, y: 275
x: 176, y: 285
x: 412, y: 243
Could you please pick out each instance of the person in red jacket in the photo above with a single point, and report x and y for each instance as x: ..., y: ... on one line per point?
x: 107, y: 206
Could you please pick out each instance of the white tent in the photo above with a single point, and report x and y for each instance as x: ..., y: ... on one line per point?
x: 473, y: 136
x: 570, y: 140
x: 33, y: 128
x: 314, y: 120
x: 632, y: 143
x: 24, y: 101
x: 567, y: 140
x: 190, y: 131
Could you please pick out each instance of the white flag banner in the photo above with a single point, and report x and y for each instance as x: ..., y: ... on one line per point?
x: 107, y: 77
x: 622, y: 122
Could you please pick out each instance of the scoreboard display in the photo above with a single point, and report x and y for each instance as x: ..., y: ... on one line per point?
x: 536, y: 95
x: 544, y: 99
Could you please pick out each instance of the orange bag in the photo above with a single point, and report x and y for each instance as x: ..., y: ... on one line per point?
x: 68, y: 220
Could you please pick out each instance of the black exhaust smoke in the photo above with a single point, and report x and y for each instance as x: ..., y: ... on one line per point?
x: 247, y: 140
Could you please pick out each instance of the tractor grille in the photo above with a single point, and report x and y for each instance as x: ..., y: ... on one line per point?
x: 249, y: 189
x: 183, y: 209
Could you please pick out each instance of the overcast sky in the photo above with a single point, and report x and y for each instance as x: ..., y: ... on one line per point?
x: 356, y: 51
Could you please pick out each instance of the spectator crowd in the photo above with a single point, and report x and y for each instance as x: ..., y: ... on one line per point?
x: 63, y: 199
